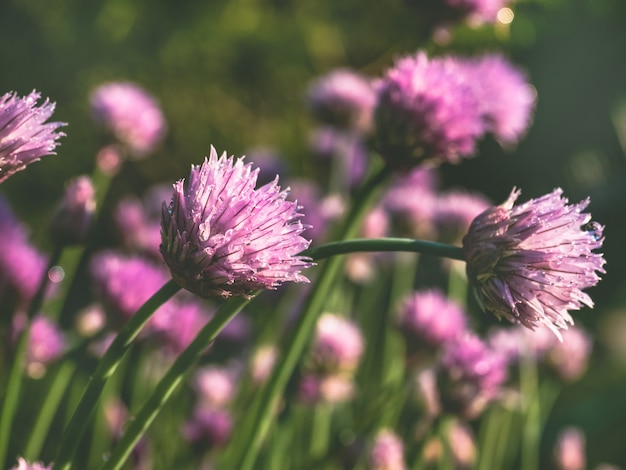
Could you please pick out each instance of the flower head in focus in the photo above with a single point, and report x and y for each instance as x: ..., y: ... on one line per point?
x: 25, y: 136
x: 222, y: 237
x: 427, y: 110
x: 130, y: 114
x: 529, y: 263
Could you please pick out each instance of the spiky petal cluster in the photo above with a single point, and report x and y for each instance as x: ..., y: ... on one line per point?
x: 529, y: 263
x: 222, y: 237
x: 130, y: 114
x: 25, y: 136
x: 426, y: 110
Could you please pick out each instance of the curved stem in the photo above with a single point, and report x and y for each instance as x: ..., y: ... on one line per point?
x: 170, y: 381
x: 384, y: 244
x: 106, y: 367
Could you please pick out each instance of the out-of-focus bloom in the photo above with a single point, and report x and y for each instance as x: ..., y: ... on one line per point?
x: 569, y: 453
x: 125, y: 282
x: 334, y: 388
x: 270, y: 163
x: 347, y: 152
x: 412, y: 201
x: 470, y: 376
x: 46, y: 343
x: 505, y: 97
x: 25, y: 136
x: 130, y: 114
x: 454, y: 211
x: 529, y: 263
x: 425, y: 384
x: 138, y: 221
x: 90, y: 320
x: 337, y: 346
x: 427, y: 111
x: 517, y: 342
x: 263, y: 362
x: 475, y: 11
x: 22, y: 464
x: 208, y: 427
x: 222, y: 237
x: 21, y: 264
x: 344, y: 99
x: 570, y: 357
x: 429, y: 320
x: 177, y: 324
x: 462, y: 444
x: 215, y: 386
x: 387, y: 452
x: 72, y: 218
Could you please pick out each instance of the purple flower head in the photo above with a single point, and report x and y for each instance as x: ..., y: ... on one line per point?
x: 505, y: 97
x: 208, y: 427
x: 222, y: 237
x: 529, y: 263
x: 25, y: 136
x: 454, y: 211
x: 570, y: 357
x: 338, y: 344
x: 470, y: 375
x: 387, y: 452
x: 334, y: 388
x: 22, y: 464
x: 46, y: 343
x: 427, y: 111
x: 21, y: 264
x: 125, y: 282
x: 130, y: 114
x: 177, y: 324
x: 72, y: 219
x: 429, y: 320
x: 343, y: 99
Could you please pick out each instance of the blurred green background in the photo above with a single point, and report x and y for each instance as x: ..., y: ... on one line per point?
x: 233, y: 74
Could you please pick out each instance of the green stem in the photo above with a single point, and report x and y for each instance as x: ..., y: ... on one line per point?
x: 170, y: 381
x: 10, y: 404
x: 48, y: 409
x: 109, y: 362
x: 262, y: 414
x: 384, y: 244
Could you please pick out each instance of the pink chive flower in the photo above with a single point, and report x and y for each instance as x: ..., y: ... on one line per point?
x: 46, y: 343
x: 25, y: 136
x: 427, y: 111
x: 506, y: 99
x: 529, y: 263
x: 72, y: 218
x: 215, y: 385
x: 569, y: 452
x: 21, y: 264
x: 429, y: 320
x: 387, y: 452
x: 125, y: 282
x: 343, y: 99
x: 222, y: 237
x: 470, y: 375
x: 176, y: 325
x: 130, y: 114
x: 208, y: 428
x: 338, y: 344
x: 570, y: 357
x: 22, y: 464
x: 331, y: 389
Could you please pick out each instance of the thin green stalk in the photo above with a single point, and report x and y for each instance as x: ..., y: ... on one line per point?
x: 55, y: 393
x: 320, y: 431
x: 170, y: 381
x: 11, y: 398
x: 384, y: 244
x: 531, y: 406
x: 266, y: 404
x: 109, y: 362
